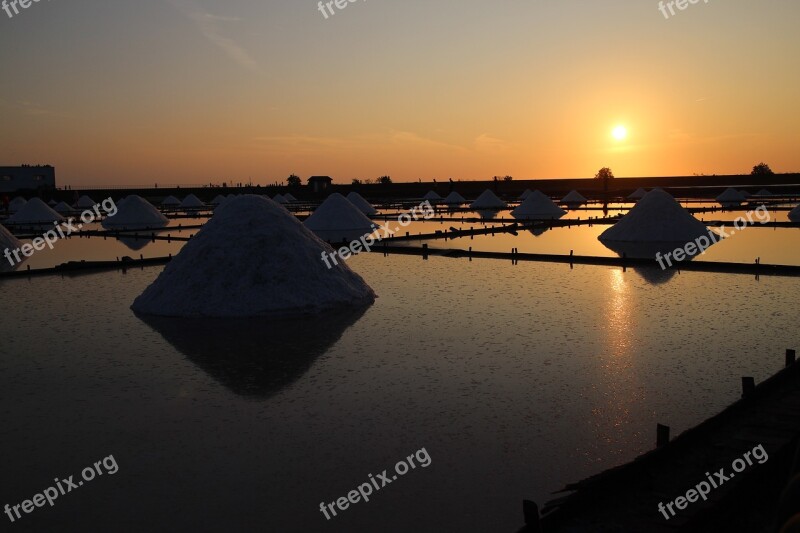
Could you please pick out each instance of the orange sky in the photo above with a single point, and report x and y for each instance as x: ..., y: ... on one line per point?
x: 183, y: 91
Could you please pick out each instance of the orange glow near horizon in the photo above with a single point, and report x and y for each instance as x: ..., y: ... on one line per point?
x: 172, y: 92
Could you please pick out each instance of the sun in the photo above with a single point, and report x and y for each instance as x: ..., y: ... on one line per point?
x: 619, y: 132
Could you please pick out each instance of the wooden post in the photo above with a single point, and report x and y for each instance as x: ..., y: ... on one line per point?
x: 662, y: 435
x: 748, y: 386
x: 791, y: 357
x: 531, y: 513
x: 425, y: 252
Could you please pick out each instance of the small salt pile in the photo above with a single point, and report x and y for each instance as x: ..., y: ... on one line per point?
x: 253, y: 258
x: 192, y: 201
x: 218, y: 200
x: 35, y: 212
x: 170, y: 201
x: 730, y: 198
x: 488, y: 200
x: 537, y: 206
x: 794, y: 214
x: 432, y: 196
x: 362, y: 204
x: 455, y: 199
x: 574, y: 198
x: 289, y: 198
x: 64, y: 208
x: 338, y: 220
x: 84, y: 202
x: 16, y: 204
x: 525, y: 194
x: 279, y: 199
x: 134, y: 212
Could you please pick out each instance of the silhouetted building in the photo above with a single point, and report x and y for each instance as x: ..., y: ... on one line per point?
x: 27, y: 177
x: 320, y: 183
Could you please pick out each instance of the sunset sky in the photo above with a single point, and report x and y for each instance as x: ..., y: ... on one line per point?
x: 188, y: 91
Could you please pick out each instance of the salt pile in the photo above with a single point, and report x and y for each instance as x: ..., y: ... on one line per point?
x: 51, y: 203
x: 279, y: 198
x: 218, y: 200
x: 488, y: 200
x: 538, y: 206
x: 432, y: 196
x: 134, y: 212
x: 455, y: 199
x: 337, y: 220
x: 731, y: 197
x: 7, y: 240
x: 289, y: 198
x: 64, y: 208
x: 253, y: 259
x: 170, y: 201
x: 656, y: 218
x: 574, y: 198
x: 35, y: 211
x: 525, y: 194
x: 362, y: 204
x: 192, y: 201
x: 637, y: 194
x: 16, y: 204
x: 763, y: 192
x: 84, y: 202
x: 794, y: 214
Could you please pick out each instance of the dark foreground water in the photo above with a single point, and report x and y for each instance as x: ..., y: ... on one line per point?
x: 515, y: 379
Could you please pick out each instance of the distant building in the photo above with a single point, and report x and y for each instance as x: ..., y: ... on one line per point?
x: 27, y: 177
x: 320, y: 183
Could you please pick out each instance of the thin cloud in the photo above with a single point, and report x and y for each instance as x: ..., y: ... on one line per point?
x: 209, y: 25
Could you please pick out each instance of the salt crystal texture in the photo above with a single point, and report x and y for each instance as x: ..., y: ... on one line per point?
x: 253, y: 258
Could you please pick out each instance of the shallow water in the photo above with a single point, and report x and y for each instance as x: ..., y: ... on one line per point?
x: 516, y: 379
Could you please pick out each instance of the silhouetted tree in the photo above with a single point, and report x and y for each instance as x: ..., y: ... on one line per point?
x: 508, y: 178
x: 294, y: 181
x: 604, y: 174
x: 385, y: 180
x: 762, y: 169
x: 356, y: 181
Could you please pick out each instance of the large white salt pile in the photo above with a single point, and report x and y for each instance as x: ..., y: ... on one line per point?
x: 337, y: 220
x: 525, y: 194
x: 731, y: 197
x: 36, y: 212
x: 84, y: 202
x: 289, y: 198
x: 656, y: 218
x: 218, y: 200
x: 432, y: 196
x: 537, y: 206
x: 253, y: 258
x: 64, y: 208
x: 488, y: 200
x: 455, y: 199
x: 362, y: 204
x: 134, y: 212
x: 192, y: 201
x: 574, y: 198
x: 794, y: 214
x: 16, y: 204
x: 170, y: 201
x: 637, y: 194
